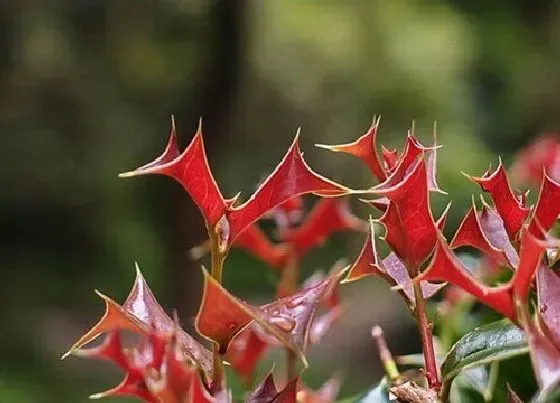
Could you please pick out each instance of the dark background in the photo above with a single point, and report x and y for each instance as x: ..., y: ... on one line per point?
x: 87, y: 89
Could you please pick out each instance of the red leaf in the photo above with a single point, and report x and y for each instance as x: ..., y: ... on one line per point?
x: 494, y: 230
x: 138, y: 314
x: 389, y: 158
x: 545, y: 357
x: 198, y: 393
x: 367, y: 262
x: 326, y: 217
x: 222, y: 316
x: 191, y: 170
x: 392, y: 269
x: 322, y: 324
x: 508, y: 206
x: 143, y: 305
x: 397, y: 271
x: 548, y: 206
x: 294, y: 314
x: 245, y: 351
x: 411, y: 231
x: 440, y: 223
x: 470, y: 233
x: 548, y: 291
x: 292, y: 177
x: 288, y: 394
x: 365, y: 148
x: 444, y: 266
x: 256, y: 242
x: 530, y: 257
x: 539, y: 157
x: 114, y: 318
x: 413, y: 149
x: 265, y: 392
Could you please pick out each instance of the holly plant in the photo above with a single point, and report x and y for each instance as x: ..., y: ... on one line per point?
x: 486, y: 314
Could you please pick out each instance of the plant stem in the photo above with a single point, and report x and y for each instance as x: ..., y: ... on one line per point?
x: 385, y: 354
x: 217, y: 261
x: 425, y: 329
x: 217, y: 370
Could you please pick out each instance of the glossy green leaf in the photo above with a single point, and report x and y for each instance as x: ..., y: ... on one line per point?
x: 495, y: 341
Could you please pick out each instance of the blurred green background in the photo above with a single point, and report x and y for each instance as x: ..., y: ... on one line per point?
x: 86, y: 91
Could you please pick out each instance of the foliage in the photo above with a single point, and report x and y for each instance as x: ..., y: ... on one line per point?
x: 165, y: 364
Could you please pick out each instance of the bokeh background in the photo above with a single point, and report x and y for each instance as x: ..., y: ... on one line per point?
x: 87, y: 89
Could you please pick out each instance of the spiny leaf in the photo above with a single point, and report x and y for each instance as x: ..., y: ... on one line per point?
x: 365, y: 148
x: 544, y: 355
x: 530, y: 257
x: 411, y: 230
x: 494, y: 230
x: 139, y: 314
x: 326, y: 217
x: 440, y: 223
x: 255, y: 241
x: 508, y: 206
x: 294, y: 314
x: 540, y: 156
x: 548, y: 206
x: 413, y: 149
x: 192, y: 171
x: 292, y: 177
x: 397, y: 271
x: 114, y: 318
x: 492, y: 342
x: 445, y: 266
x: 470, y: 233
x: 367, y: 262
x: 245, y: 351
x: 548, y: 291
x: 265, y: 392
x: 221, y: 316
x: 390, y: 158
x: 391, y: 268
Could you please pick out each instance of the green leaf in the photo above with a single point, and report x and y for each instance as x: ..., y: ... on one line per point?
x: 495, y: 341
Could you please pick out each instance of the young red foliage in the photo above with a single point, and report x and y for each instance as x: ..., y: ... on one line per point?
x: 221, y: 316
x: 139, y: 314
x: 548, y: 291
x: 548, y: 206
x: 390, y: 158
x: 192, y: 171
x: 266, y: 392
x: 544, y: 355
x: 470, y: 233
x: 542, y: 155
x: 365, y: 148
x: 509, y: 207
x: 326, y: 217
x: 391, y: 269
x: 292, y: 177
x: 367, y: 262
x: 444, y: 266
x: 411, y: 230
x: 294, y: 314
x: 245, y: 351
x: 412, y: 150
x: 255, y: 241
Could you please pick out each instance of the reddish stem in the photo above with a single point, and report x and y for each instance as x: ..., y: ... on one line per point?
x: 425, y: 328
